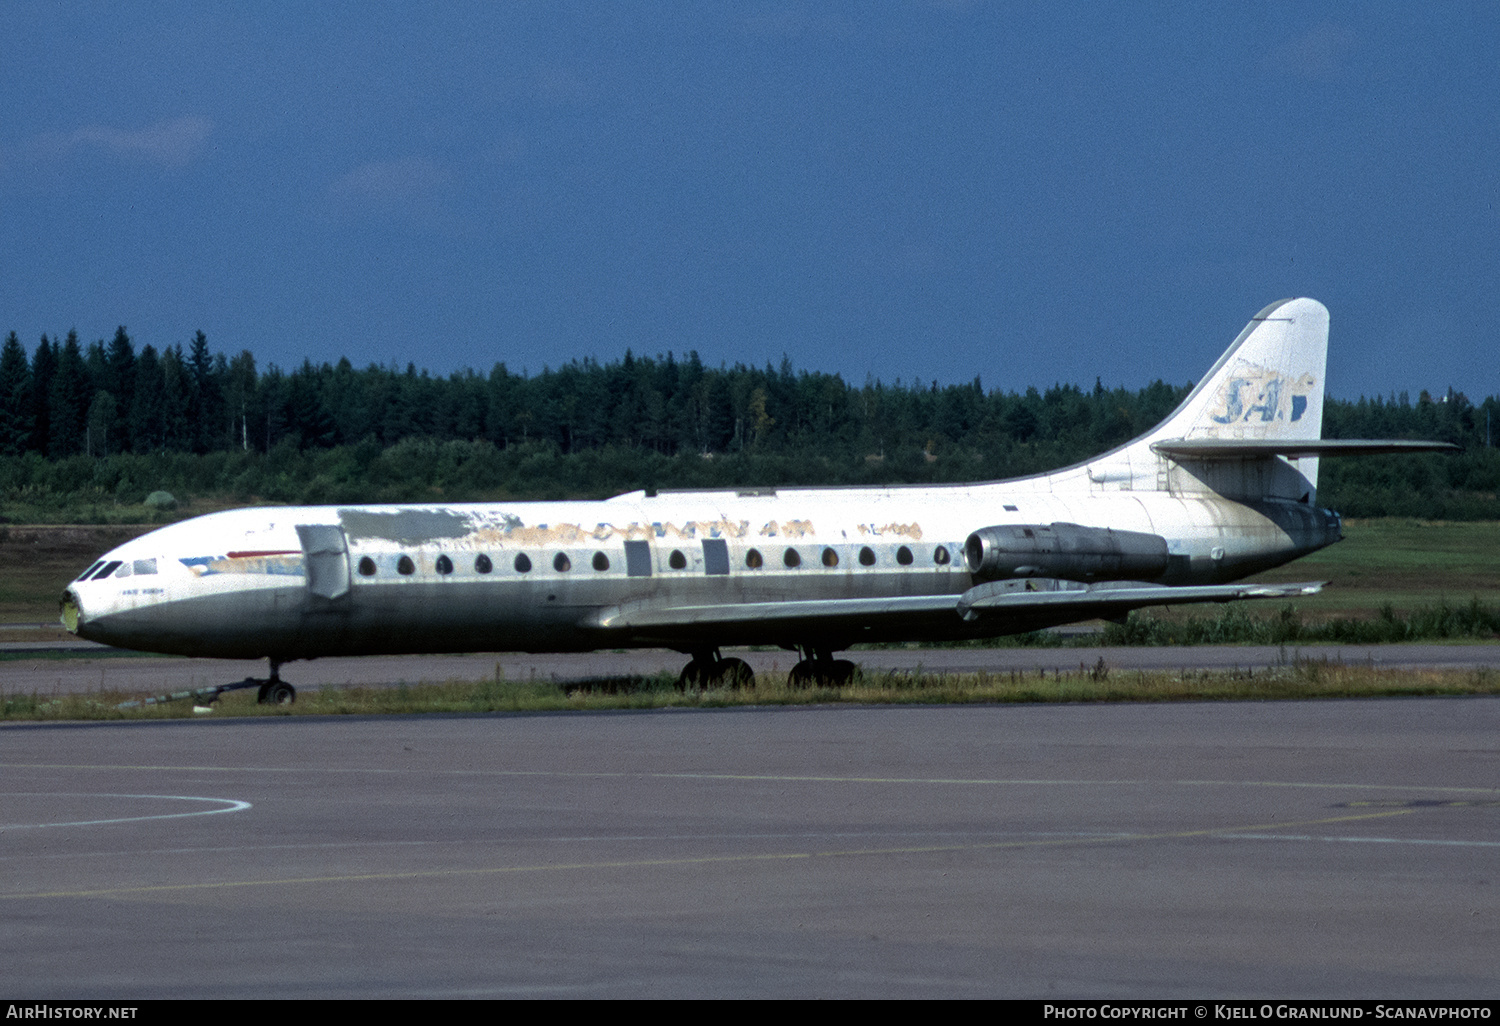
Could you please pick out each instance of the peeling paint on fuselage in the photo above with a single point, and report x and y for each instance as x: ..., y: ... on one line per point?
x: 285, y: 566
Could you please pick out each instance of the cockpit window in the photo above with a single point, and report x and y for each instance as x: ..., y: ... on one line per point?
x: 124, y: 570
x: 90, y: 570
x: 106, y: 570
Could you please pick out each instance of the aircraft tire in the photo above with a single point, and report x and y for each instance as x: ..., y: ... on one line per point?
x: 735, y: 674
x: 695, y: 676
x: 277, y: 692
x: 827, y: 673
x: 730, y: 673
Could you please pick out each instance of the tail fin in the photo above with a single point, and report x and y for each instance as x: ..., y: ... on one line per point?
x: 1237, y: 433
x: 1268, y: 385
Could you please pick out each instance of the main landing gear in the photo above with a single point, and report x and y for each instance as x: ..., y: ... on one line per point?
x: 818, y: 668
x: 709, y: 670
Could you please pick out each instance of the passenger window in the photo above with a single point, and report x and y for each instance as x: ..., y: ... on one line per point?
x: 791, y: 558
x: 601, y: 561
x: 444, y: 565
x: 482, y: 563
x: 677, y: 561
x: 866, y: 556
x: 145, y: 566
x: 404, y: 565
x: 830, y: 558
x: 523, y: 564
x: 753, y: 559
x: 903, y: 556
x: 366, y: 567
x: 562, y: 564
x: 940, y: 555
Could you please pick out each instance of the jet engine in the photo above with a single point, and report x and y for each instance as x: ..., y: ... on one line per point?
x: 1069, y: 552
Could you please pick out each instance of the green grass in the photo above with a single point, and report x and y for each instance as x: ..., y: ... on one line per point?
x: 1401, y: 563
x: 1300, y: 679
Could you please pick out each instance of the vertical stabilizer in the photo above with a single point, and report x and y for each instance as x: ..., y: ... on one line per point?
x: 1266, y: 388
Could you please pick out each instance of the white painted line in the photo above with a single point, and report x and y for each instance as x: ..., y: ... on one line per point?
x: 1363, y: 840
x: 229, y: 805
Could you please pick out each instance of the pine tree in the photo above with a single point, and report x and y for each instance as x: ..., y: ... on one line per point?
x: 16, y: 419
x: 69, y: 396
x: 43, y: 370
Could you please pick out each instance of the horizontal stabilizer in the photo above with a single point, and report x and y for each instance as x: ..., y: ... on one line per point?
x: 1251, y: 448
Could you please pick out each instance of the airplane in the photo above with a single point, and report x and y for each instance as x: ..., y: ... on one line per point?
x: 1223, y: 488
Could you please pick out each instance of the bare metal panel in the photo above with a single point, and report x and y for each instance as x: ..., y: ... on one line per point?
x: 327, y: 557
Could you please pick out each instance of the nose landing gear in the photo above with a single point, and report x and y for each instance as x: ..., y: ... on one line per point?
x: 274, y: 691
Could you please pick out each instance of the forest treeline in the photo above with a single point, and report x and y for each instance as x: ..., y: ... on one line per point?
x: 108, y: 423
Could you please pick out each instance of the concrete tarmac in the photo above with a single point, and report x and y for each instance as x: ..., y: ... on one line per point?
x: 1190, y: 851
x: 98, y: 668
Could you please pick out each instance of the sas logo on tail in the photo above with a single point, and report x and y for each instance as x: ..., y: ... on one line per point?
x: 1253, y: 393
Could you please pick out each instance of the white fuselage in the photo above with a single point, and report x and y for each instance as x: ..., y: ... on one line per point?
x: 548, y: 576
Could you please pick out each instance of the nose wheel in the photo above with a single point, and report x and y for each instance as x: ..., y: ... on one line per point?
x: 276, y: 691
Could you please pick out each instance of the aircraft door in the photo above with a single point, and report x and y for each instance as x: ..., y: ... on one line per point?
x: 325, y: 553
x: 638, y: 559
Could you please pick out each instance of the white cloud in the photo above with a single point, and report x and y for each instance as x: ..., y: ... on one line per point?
x: 389, y: 181
x: 1321, y: 52
x: 170, y: 143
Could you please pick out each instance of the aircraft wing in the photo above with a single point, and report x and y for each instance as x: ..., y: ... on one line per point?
x: 1011, y: 601
x: 1112, y: 598
x: 764, y: 612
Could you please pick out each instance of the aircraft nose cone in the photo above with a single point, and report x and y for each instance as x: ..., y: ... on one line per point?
x: 71, y: 614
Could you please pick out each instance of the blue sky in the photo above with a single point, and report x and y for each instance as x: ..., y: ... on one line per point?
x: 917, y: 190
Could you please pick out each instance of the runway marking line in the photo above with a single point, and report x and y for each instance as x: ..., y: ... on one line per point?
x: 233, y: 805
x: 698, y: 860
x: 767, y: 777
